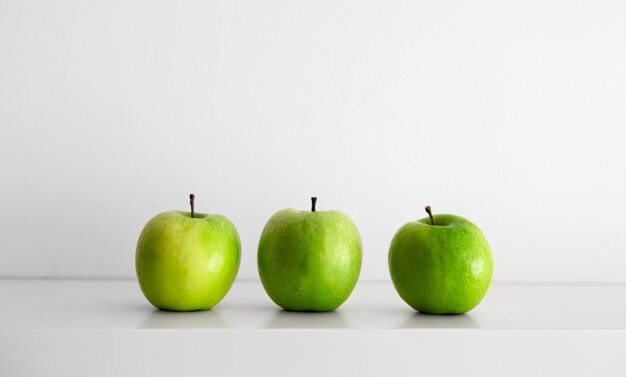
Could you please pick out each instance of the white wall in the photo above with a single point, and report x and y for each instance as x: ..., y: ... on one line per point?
x: 510, y: 113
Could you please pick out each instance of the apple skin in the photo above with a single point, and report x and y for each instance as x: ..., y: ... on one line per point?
x: 441, y: 269
x: 309, y: 261
x: 186, y: 263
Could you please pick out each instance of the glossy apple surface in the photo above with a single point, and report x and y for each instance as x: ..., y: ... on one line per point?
x: 186, y: 263
x: 309, y: 261
x: 444, y: 268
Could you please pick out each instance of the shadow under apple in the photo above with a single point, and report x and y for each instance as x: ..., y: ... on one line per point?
x: 418, y: 320
x: 201, y: 319
x: 283, y: 319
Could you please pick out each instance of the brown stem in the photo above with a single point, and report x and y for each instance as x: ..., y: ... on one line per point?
x: 192, y: 197
x: 313, y: 201
x: 430, y: 214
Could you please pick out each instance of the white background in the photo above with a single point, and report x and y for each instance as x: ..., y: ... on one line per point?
x: 510, y: 113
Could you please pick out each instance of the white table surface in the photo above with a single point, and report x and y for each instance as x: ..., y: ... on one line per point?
x: 106, y: 327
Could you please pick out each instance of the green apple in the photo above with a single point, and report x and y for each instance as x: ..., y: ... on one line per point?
x: 309, y: 261
x: 187, y: 260
x: 441, y: 264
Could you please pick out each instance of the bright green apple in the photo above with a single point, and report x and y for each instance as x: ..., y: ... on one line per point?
x: 441, y: 264
x: 309, y: 261
x: 187, y: 260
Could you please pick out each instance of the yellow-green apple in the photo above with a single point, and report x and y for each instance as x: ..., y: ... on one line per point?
x: 187, y: 260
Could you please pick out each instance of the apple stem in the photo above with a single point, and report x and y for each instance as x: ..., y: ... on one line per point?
x: 430, y: 214
x: 192, y: 197
x: 313, y: 201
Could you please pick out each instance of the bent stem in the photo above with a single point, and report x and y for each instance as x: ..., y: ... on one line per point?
x: 430, y: 214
